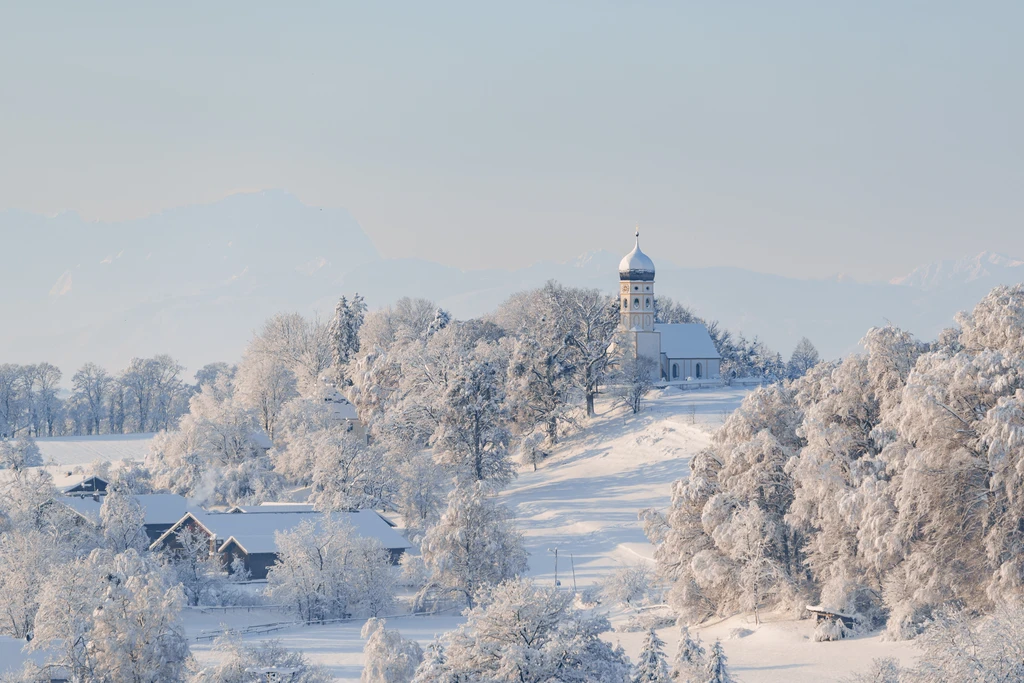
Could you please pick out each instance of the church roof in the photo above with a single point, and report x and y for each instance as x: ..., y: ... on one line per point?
x: 686, y: 340
x: 636, y: 265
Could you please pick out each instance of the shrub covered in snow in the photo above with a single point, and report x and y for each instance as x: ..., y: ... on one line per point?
x: 522, y: 632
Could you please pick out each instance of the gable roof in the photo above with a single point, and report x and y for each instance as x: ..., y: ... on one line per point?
x: 686, y: 340
x: 85, y: 483
x: 160, y: 508
x: 255, y: 533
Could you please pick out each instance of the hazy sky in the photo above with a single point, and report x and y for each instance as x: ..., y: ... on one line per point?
x: 801, y: 138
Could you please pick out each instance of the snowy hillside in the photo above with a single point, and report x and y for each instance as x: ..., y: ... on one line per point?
x: 584, y: 500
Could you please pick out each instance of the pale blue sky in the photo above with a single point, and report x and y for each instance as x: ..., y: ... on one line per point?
x: 801, y: 138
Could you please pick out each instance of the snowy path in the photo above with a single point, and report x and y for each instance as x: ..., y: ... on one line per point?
x: 584, y: 500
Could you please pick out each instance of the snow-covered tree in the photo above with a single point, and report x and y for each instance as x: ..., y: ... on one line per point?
x: 303, y: 346
x: 264, y: 384
x: 522, y: 632
x: 389, y: 658
x: 214, y: 456
x: 472, y: 436
x: 17, y: 455
x: 651, y: 666
x: 587, y: 319
x: 346, y: 472
x: 531, y: 449
x: 804, y: 357
x: 628, y: 585
x: 212, y: 372
x: 112, y: 618
x: 122, y: 520
x: 152, y: 386
x: 688, y: 662
x: 434, y: 668
x: 326, y: 570
x: 26, y: 558
x: 90, y: 385
x: 716, y: 669
x: 199, y: 571
x: 422, y: 490
x: 238, y: 662
x: 474, y: 544
x: 345, y: 326
x: 634, y: 379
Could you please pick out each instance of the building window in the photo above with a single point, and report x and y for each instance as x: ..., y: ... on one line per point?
x: 698, y: 371
x: 636, y: 303
x: 636, y: 288
x: 647, y: 302
x: 648, y: 288
x: 625, y: 304
x: 675, y: 371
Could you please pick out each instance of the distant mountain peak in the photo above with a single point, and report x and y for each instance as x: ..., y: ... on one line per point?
x: 952, y: 272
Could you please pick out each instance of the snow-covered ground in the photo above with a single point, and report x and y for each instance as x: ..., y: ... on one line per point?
x: 83, y: 450
x: 584, y: 500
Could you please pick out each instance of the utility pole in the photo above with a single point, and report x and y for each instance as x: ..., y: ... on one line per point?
x: 572, y: 563
x: 555, y: 551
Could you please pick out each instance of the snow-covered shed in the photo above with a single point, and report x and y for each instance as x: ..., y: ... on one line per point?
x: 250, y: 536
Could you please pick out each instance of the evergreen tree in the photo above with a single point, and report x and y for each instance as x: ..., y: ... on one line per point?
x: 652, y: 667
x: 804, y: 357
x: 688, y: 663
x: 717, y: 670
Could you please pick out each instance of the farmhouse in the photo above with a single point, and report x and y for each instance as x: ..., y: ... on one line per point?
x: 251, y: 535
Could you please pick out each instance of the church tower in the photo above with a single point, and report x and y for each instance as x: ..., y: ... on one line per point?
x: 636, y: 290
x: 636, y: 305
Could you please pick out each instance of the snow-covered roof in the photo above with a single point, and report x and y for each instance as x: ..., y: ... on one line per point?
x: 255, y: 532
x: 260, y: 438
x: 70, y: 481
x: 686, y: 340
x: 86, y: 507
x: 268, y: 508
x: 160, y: 508
x: 82, y: 450
x: 636, y: 265
x: 341, y: 408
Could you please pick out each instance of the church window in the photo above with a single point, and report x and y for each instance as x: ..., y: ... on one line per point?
x: 636, y: 303
x: 625, y: 304
x: 675, y: 371
x: 647, y: 302
x: 698, y: 371
x: 648, y: 288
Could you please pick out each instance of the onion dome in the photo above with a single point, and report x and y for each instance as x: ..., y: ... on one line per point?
x: 636, y: 265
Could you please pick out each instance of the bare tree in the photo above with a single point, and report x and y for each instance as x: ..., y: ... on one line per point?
x: 90, y: 384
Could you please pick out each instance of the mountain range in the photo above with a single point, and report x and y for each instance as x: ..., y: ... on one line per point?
x: 196, y: 282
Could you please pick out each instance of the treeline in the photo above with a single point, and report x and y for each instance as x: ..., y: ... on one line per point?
x: 885, y: 486
x: 147, y: 396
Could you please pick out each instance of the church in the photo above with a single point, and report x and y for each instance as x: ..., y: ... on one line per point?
x: 681, y: 351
